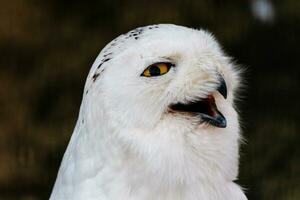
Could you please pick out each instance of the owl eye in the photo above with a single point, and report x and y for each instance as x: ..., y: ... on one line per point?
x: 157, y: 69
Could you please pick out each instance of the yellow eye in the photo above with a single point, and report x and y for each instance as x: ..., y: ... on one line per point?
x: 157, y: 69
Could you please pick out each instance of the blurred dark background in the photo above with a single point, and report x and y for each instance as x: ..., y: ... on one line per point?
x: 47, y: 48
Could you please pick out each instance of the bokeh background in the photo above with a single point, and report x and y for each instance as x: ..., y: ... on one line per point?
x: 47, y: 48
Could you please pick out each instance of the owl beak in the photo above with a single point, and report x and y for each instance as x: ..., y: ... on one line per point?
x: 206, y: 109
x: 214, y: 116
x: 222, y: 88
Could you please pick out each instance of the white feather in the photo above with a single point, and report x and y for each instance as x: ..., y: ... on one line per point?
x: 126, y: 146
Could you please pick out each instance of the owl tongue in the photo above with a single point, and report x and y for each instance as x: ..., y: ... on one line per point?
x: 205, y: 108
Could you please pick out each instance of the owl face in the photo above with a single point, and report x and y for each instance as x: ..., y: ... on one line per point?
x: 167, y: 73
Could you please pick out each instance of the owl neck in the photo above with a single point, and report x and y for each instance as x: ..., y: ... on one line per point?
x: 156, y: 162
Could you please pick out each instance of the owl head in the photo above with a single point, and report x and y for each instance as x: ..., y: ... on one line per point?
x: 167, y: 93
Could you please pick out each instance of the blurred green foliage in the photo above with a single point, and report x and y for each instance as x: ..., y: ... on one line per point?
x: 47, y: 48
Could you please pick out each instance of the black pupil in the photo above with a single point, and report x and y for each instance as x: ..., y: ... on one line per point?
x: 154, y: 70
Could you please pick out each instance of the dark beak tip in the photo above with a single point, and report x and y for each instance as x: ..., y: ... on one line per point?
x: 222, y: 87
x: 219, y: 121
x: 222, y: 123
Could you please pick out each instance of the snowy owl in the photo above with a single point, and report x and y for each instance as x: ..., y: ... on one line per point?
x: 157, y: 121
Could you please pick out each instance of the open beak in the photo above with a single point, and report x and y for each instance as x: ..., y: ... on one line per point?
x: 205, y: 108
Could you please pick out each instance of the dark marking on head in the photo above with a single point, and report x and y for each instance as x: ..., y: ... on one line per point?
x: 100, y: 65
x: 105, y: 60
x: 82, y: 121
x: 87, y: 91
x: 134, y: 33
x: 96, y: 75
x: 107, y: 54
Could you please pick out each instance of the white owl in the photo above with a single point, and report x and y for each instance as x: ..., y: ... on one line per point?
x: 157, y: 121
